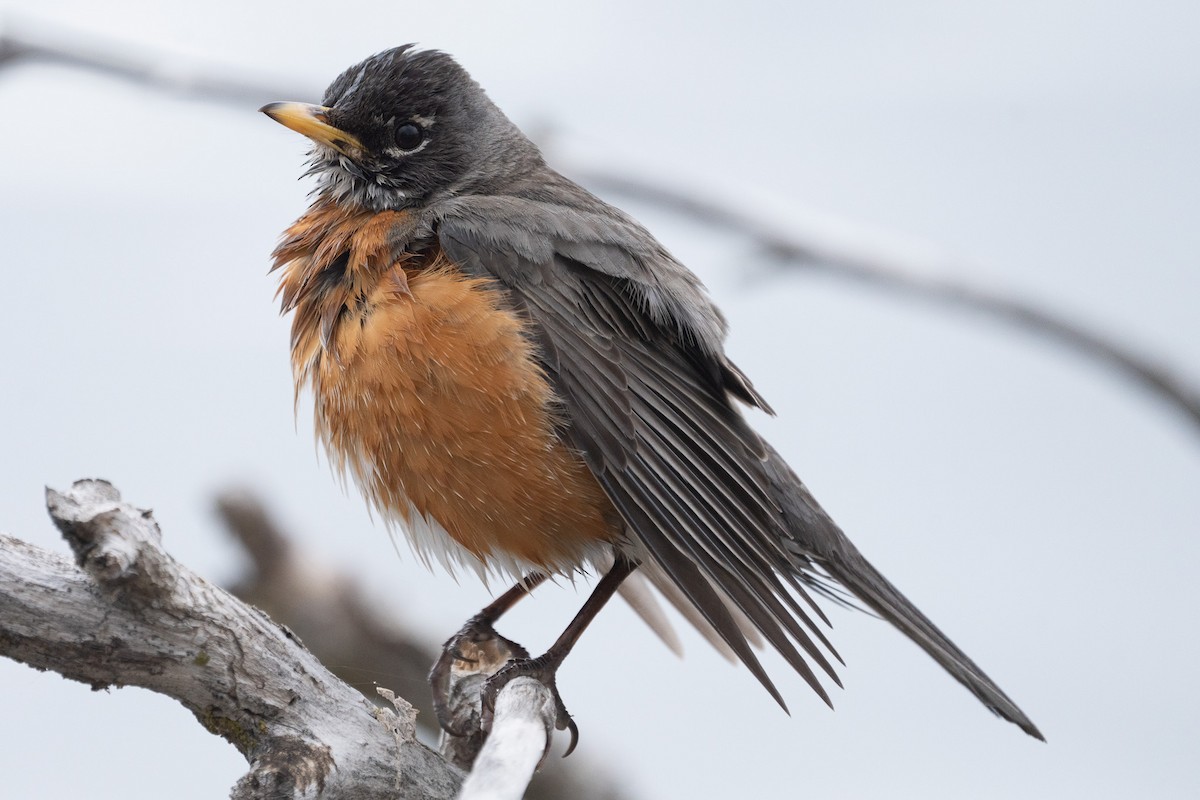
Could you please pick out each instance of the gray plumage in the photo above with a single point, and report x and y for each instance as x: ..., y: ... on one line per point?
x: 632, y: 345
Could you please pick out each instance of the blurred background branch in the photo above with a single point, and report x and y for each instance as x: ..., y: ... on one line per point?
x: 922, y: 276
x: 787, y: 239
x: 23, y: 41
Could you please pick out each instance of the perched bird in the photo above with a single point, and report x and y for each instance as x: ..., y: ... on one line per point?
x: 526, y: 381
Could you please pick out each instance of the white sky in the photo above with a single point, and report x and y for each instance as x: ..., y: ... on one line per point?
x: 1042, y: 512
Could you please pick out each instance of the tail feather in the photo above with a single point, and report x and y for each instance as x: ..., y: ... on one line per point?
x: 635, y: 590
x: 884, y: 599
x: 659, y: 579
x: 818, y: 542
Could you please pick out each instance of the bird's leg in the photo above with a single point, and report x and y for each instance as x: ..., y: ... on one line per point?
x: 544, y: 667
x: 477, y: 644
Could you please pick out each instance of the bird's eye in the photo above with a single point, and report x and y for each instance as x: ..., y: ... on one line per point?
x: 409, y: 136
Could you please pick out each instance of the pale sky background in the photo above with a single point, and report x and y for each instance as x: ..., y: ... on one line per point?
x: 1042, y: 512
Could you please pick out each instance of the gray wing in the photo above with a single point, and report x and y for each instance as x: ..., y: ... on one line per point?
x: 649, y: 407
x: 633, y: 348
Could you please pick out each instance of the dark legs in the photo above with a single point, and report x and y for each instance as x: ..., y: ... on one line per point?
x: 504, y: 602
x: 544, y: 667
x: 599, y: 596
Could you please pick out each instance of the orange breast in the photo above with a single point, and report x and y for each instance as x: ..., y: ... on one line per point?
x: 427, y: 390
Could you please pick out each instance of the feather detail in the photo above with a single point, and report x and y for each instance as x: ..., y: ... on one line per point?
x: 427, y: 390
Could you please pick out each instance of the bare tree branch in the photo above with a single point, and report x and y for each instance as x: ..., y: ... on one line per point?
x: 818, y: 246
x: 130, y: 615
x: 36, y: 42
x: 362, y: 643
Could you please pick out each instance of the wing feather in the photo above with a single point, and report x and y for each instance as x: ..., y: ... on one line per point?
x: 651, y: 411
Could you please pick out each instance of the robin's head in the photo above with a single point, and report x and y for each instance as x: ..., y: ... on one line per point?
x: 406, y: 126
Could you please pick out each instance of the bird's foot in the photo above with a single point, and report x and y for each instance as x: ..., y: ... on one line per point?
x: 477, y: 649
x: 541, y: 669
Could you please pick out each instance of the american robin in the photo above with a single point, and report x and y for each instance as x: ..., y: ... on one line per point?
x: 525, y: 380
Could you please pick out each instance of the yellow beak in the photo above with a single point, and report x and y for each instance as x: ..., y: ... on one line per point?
x: 311, y: 121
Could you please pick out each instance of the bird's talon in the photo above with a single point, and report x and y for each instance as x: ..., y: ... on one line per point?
x: 543, y: 674
x: 574, y: 729
x: 476, y: 648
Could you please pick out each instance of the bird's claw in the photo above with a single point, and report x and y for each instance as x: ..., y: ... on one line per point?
x: 476, y: 648
x: 543, y: 673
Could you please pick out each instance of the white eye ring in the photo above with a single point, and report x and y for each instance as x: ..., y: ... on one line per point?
x: 408, y: 133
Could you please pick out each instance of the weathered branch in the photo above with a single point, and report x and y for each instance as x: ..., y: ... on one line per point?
x: 325, y: 607
x: 796, y: 242
x: 129, y: 614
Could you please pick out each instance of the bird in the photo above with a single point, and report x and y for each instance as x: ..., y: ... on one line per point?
x: 524, y: 380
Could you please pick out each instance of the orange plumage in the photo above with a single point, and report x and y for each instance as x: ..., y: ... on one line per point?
x: 427, y: 390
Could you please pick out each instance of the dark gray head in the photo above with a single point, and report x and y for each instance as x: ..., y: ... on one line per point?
x: 405, y: 127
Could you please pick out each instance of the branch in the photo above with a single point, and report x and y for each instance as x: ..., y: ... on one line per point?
x: 131, y: 615
x: 164, y: 71
x: 327, y: 609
